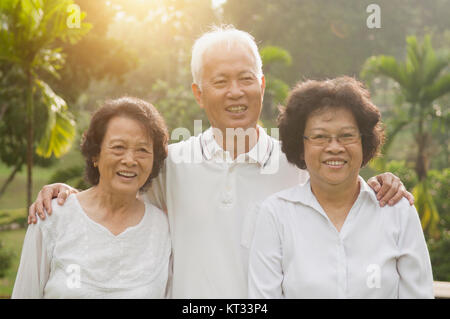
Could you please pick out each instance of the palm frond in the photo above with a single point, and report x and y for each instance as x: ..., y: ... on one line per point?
x: 60, y: 129
x: 439, y: 88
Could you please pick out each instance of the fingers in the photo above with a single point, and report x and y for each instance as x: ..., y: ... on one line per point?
x: 388, y: 187
x: 32, y: 214
x: 408, y: 196
x: 39, y: 205
x: 385, y: 181
x: 397, y: 196
x: 402, y: 192
x: 62, y: 196
x: 390, y: 193
x: 43, y: 201
x: 373, y: 182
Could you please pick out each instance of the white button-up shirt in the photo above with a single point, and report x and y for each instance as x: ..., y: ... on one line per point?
x: 212, y: 201
x: 297, y: 252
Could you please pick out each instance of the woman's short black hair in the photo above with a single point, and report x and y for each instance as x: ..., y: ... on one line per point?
x: 312, y: 96
x: 133, y: 108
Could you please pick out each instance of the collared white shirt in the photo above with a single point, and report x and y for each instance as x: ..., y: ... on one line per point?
x: 212, y: 201
x: 297, y: 252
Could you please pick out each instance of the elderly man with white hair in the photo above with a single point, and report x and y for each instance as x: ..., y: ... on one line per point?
x: 212, y: 184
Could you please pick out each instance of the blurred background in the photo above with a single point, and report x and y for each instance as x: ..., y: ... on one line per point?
x: 60, y: 59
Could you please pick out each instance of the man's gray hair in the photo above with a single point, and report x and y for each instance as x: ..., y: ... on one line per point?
x: 226, y: 34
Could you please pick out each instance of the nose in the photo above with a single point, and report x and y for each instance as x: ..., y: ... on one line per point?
x: 235, y: 90
x: 128, y: 158
x: 334, y: 146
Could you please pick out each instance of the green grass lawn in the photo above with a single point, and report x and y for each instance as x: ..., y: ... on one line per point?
x: 12, y: 241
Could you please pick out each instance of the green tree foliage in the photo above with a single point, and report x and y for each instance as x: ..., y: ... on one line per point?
x: 331, y: 38
x: 440, y: 191
x: 73, y: 176
x: 29, y: 30
x: 96, y: 56
x: 161, y: 34
x: 276, y: 89
x: 423, y: 78
x: 178, y: 106
x: 440, y: 258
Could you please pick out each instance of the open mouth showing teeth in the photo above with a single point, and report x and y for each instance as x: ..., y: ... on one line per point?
x: 335, y: 163
x: 126, y: 174
x: 237, y: 109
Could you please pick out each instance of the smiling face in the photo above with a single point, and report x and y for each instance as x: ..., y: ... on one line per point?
x: 126, y: 156
x: 231, y: 93
x: 333, y: 163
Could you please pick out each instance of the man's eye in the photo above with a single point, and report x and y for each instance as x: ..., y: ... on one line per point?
x: 118, y: 147
x: 318, y: 137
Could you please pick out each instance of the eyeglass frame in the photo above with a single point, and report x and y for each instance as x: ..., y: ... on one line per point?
x: 330, y: 139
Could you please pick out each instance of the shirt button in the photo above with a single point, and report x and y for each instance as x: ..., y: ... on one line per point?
x: 227, y: 198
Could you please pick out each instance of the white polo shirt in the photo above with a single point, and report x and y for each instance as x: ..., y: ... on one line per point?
x: 212, y: 202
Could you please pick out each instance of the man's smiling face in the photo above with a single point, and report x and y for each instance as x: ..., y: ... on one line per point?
x: 231, y: 93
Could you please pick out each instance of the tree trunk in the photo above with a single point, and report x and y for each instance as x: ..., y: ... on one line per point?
x: 421, y: 160
x: 3, y: 111
x: 30, y: 115
x: 10, y: 178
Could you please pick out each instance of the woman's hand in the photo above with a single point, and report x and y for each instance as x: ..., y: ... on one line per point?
x: 389, y: 189
x: 44, y: 200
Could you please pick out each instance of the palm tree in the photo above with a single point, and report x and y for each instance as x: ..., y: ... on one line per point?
x: 423, y: 77
x: 29, y: 31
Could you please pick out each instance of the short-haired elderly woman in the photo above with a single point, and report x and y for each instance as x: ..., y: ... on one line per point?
x: 105, y: 242
x: 329, y: 237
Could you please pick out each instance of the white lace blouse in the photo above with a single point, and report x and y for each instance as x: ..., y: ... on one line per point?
x: 71, y: 256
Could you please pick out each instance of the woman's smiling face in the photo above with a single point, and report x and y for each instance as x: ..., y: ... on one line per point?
x: 333, y: 163
x: 126, y: 156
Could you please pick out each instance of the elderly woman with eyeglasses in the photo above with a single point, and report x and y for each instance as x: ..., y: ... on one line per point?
x: 329, y: 237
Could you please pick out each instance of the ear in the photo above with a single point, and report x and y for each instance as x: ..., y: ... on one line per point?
x: 197, y: 94
x: 263, y: 83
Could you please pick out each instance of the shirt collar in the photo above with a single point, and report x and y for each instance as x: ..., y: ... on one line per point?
x: 260, y: 153
x: 302, y: 193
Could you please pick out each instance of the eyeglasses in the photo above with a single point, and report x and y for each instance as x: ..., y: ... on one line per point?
x: 325, y: 139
